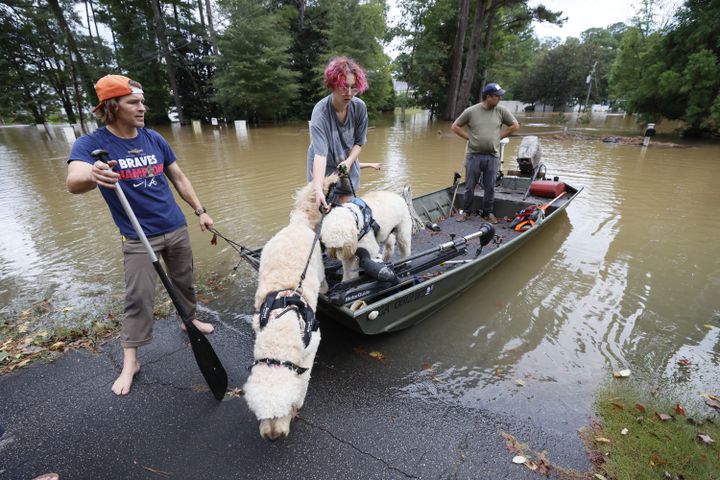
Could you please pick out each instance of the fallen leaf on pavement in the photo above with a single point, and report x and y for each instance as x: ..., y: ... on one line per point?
x: 680, y: 410
x: 519, y: 383
x: 662, y: 416
x: 377, y: 356
x: 622, y: 373
x: 602, y: 440
x: 159, y: 472
x: 640, y: 407
x: 683, y: 362
x: 200, y: 387
x: 519, y: 459
x: 705, y: 439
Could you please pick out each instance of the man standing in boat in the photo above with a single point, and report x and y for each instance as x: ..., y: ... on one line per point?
x: 484, y: 122
x: 142, y: 163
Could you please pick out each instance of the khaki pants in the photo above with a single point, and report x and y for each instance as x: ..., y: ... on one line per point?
x: 140, y: 280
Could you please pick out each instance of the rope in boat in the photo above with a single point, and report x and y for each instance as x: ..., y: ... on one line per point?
x: 417, y: 223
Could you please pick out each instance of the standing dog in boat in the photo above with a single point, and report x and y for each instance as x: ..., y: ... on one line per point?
x: 352, y: 226
x: 286, y: 333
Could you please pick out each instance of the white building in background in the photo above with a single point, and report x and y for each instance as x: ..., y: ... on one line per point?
x: 514, y: 106
x: 401, y: 87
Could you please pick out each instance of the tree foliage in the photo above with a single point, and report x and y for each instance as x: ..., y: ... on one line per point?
x: 253, y: 79
x: 263, y: 59
x: 674, y: 73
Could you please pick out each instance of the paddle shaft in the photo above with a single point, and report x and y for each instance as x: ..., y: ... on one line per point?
x: 207, y: 360
x: 456, y: 184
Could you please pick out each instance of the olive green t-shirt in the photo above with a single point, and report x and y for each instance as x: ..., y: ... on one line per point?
x: 484, y: 126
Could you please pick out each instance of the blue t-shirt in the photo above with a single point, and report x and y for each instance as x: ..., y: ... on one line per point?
x: 141, y: 164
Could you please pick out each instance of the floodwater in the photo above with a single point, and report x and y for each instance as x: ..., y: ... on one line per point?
x: 629, y: 277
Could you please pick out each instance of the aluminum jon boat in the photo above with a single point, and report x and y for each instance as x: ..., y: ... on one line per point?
x: 447, y: 256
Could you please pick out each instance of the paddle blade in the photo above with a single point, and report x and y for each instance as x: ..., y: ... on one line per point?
x: 208, y: 362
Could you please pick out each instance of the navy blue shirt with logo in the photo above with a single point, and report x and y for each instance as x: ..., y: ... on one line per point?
x: 141, y: 163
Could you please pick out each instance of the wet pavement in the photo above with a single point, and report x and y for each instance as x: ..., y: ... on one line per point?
x: 62, y: 417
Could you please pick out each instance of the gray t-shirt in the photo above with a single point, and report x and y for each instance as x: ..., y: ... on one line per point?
x: 484, y: 127
x: 326, y: 131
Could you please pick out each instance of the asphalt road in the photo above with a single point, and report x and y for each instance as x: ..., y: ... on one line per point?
x: 62, y: 417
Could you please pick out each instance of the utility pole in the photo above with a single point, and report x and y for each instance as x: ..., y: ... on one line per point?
x: 588, y: 80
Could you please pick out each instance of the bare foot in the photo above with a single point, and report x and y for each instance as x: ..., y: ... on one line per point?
x: 124, y: 382
x: 204, y: 327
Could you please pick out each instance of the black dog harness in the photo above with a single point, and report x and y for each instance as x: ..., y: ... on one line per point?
x: 367, y: 221
x: 273, y: 301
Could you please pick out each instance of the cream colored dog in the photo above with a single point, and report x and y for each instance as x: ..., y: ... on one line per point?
x: 306, y: 209
x: 278, y: 382
x: 342, y: 225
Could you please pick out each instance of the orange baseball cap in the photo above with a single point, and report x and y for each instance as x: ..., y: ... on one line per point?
x: 113, y: 86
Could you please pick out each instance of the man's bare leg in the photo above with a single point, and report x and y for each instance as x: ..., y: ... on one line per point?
x: 131, y: 367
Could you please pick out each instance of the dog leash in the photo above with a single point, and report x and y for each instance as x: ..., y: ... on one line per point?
x: 244, y: 252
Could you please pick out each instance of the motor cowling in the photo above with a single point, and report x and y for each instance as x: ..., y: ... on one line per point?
x: 529, y: 154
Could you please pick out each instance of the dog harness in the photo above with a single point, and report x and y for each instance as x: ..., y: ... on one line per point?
x: 274, y: 301
x: 367, y: 221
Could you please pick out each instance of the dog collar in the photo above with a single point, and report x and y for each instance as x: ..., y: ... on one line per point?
x: 273, y: 362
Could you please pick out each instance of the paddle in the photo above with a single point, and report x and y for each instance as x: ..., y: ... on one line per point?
x: 205, y: 356
x: 456, y: 184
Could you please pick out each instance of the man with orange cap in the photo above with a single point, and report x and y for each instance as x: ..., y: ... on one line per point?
x: 142, y: 164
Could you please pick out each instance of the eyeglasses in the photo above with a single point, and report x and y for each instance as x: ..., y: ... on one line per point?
x: 347, y: 89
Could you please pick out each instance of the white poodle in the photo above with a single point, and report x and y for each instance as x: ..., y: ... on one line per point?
x: 285, y: 342
x: 343, y: 226
x: 305, y: 209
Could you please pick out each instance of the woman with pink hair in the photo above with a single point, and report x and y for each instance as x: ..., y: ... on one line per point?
x: 338, y: 127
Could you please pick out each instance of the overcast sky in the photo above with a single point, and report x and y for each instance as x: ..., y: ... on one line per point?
x: 584, y: 14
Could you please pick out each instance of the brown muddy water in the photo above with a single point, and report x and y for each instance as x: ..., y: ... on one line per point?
x: 629, y: 277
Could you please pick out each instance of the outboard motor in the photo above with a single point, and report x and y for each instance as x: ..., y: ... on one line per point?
x: 377, y: 270
x: 529, y: 154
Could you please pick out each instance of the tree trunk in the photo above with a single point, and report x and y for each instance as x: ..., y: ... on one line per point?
x: 56, y: 78
x: 87, y: 17
x: 489, y: 31
x: 202, y: 14
x: 211, y: 29
x: 82, y: 70
x: 471, y: 59
x: 92, y: 9
x: 458, y: 50
x: 162, y: 39
x: 38, y: 116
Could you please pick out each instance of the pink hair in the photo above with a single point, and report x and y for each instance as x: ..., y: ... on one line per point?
x: 339, y: 68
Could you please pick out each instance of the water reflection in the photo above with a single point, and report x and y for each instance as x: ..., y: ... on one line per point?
x: 627, y: 277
